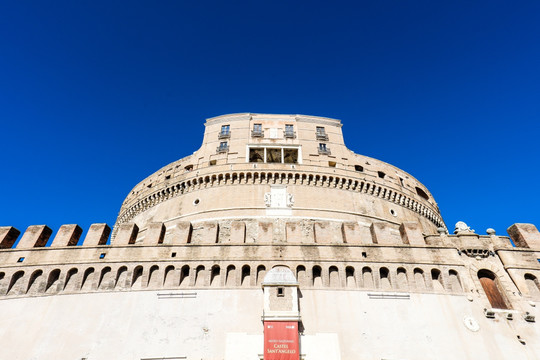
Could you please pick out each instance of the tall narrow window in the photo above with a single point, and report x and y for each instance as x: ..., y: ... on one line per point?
x: 321, y: 133
x: 323, y: 149
x: 492, y: 288
x: 225, y: 131
x: 257, y: 130
x: 289, y: 131
x: 223, y: 147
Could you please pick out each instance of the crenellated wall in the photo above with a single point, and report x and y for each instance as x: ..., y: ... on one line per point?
x: 236, y: 254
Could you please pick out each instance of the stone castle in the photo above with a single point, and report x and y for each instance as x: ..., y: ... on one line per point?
x: 272, y: 219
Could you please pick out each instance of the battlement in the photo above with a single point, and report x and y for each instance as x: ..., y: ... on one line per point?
x: 283, y: 232
x: 237, y: 253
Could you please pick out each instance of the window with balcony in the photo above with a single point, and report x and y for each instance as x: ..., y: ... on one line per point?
x: 289, y: 132
x: 257, y: 131
x: 321, y: 133
x: 323, y: 149
x: 223, y: 147
x: 225, y: 132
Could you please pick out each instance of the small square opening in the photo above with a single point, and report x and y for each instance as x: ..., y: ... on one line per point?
x: 280, y: 292
x: 364, y: 254
x: 102, y: 255
x: 21, y: 259
x: 213, y: 162
x: 173, y: 254
x: 332, y: 163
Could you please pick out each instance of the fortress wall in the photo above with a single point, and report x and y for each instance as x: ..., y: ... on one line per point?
x: 223, y: 255
x: 226, y: 324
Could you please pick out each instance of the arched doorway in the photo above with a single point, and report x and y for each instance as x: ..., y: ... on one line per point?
x: 492, y: 288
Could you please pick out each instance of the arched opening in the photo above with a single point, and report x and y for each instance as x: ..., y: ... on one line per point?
x: 69, y: 283
x: 436, y: 280
x: 367, y: 278
x: 199, y: 276
x: 334, y: 277
x: 121, y: 278
x: 402, y: 281
x: 153, y: 277
x: 317, y: 278
x: 231, y: 274
x: 492, y: 289
x: 52, y: 281
x: 261, y: 272
x: 385, y: 278
x: 533, y: 285
x: 215, y: 276
x: 87, y: 279
x: 246, y: 275
x: 34, y: 282
x: 169, y: 277
x: 349, y: 275
x: 455, y: 283
x: 301, y: 275
x: 184, y: 276
x: 136, y: 280
x: 105, y: 278
x: 15, y: 282
x: 419, y: 279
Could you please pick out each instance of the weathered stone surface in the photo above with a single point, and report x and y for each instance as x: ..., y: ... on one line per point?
x: 68, y: 235
x: 525, y: 235
x: 127, y: 234
x: 98, y: 234
x: 411, y: 233
x: 35, y: 236
x: 8, y: 236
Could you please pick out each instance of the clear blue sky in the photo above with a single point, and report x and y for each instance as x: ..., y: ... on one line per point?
x: 95, y: 95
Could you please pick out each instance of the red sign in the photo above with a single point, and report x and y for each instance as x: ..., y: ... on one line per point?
x: 281, y: 340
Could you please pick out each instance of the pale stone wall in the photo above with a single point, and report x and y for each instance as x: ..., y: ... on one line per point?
x: 226, y: 324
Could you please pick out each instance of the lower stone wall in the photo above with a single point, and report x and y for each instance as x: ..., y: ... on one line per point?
x: 214, y: 324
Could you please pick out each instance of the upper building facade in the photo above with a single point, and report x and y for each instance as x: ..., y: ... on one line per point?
x: 253, y: 166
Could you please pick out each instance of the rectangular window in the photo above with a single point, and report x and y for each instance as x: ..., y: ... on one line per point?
x: 290, y: 156
x: 225, y: 132
x: 257, y: 131
x: 256, y: 155
x: 321, y: 133
x: 289, y: 131
x: 276, y: 155
x: 273, y: 155
x: 322, y: 147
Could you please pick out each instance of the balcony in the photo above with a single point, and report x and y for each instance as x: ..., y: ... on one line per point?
x: 222, y: 149
x: 324, y: 151
x: 322, y: 136
x: 289, y: 134
x: 224, y: 135
x: 257, y: 133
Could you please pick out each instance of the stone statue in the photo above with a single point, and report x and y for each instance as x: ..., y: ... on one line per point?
x: 290, y: 200
x: 462, y: 227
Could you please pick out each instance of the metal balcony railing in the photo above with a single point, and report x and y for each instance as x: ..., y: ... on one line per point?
x: 224, y: 135
x: 289, y: 134
x: 257, y: 133
x: 324, y: 151
x: 222, y: 149
x: 322, y: 136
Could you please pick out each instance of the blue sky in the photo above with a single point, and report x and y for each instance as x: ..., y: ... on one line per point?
x: 95, y: 96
